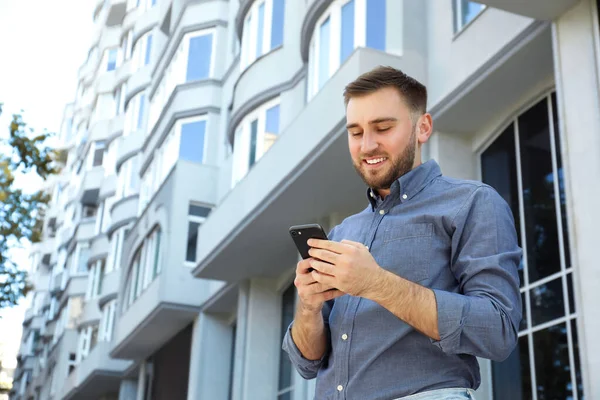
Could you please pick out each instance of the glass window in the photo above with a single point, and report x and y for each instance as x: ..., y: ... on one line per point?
x: 192, y: 140
x: 84, y: 255
x: 260, y: 32
x: 464, y: 12
x: 192, y: 241
x: 285, y: 386
x: 140, y: 113
x: 271, y: 127
x: 324, y: 53
x: 148, y: 50
x: 376, y: 24
x: 253, y: 140
x: 199, y: 57
x: 347, y: 44
x: 99, y: 148
x: 277, y: 23
x: 263, y: 30
x: 112, y: 59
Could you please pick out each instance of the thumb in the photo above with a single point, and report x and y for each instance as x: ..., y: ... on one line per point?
x: 354, y: 244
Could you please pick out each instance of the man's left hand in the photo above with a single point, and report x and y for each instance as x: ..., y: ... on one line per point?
x: 348, y: 266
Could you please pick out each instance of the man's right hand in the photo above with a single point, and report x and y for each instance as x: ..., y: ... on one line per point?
x: 312, y: 294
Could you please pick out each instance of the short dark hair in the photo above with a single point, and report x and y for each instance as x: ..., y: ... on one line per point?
x: 413, y: 91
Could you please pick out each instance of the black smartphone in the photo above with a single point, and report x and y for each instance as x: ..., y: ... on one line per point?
x: 301, y: 233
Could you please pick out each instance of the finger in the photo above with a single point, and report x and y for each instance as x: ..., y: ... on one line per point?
x: 317, y: 288
x: 354, y: 244
x: 324, y: 278
x: 331, y: 294
x: 324, y: 255
x: 303, y: 267
x: 323, y: 267
x: 335, y: 247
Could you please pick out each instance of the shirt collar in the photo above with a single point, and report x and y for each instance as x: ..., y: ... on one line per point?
x: 409, y: 184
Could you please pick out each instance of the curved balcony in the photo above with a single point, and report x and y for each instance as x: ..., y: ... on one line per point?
x: 123, y: 72
x: 116, y: 12
x: 116, y: 126
x: 145, y: 22
x: 252, y: 89
x: 123, y: 212
x: 64, y: 236
x: 87, y: 72
x: 88, y: 192
x: 128, y: 147
x: 186, y: 100
x: 100, y: 130
x: 100, y: 247
x: 314, y: 11
x: 90, y: 315
x: 76, y: 286
x: 106, y: 82
x: 108, y: 188
x: 130, y: 19
x: 110, y: 287
x: 240, y: 16
x: 85, y: 230
x: 138, y: 82
x: 97, y: 8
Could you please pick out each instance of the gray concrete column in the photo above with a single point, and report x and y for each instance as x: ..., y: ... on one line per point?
x: 128, y: 389
x: 210, y: 358
x: 453, y: 153
x: 575, y: 44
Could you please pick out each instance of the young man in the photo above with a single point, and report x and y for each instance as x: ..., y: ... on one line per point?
x: 407, y: 293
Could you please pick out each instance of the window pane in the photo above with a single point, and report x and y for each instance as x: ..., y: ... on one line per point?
x: 323, y: 53
x: 156, y: 268
x: 575, y: 345
x: 547, y: 302
x: 148, y: 50
x: 347, y: 31
x: 191, y: 147
x: 192, y: 241
x: 571, y: 294
x: 198, y: 211
x: 511, y: 378
x: 112, y: 60
x: 469, y: 10
x: 261, y: 27
x: 84, y: 255
x: 98, y: 156
x: 271, y: 127
x: 253, y: 135
x: 277, y: 23
x: 553, y: 373
x: 523, y: 324
x: 199, y: 58
x: 142, y: 106
x: 538, y: 193
x: 376, y: 24
x: 499, y: 170
x: 287, y: 315
x: 561, y: 182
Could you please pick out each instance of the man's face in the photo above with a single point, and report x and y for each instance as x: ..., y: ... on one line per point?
x: 381, y: 137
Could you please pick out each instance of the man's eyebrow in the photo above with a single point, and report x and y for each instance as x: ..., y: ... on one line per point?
x: 375, y: 121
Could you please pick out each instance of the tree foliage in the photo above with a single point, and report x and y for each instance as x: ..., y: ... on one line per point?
x: 21, y: 213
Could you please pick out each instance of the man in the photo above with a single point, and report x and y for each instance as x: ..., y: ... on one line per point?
x: 407, y: 293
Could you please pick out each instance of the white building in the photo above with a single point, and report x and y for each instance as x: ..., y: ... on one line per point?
x: 203, y: 129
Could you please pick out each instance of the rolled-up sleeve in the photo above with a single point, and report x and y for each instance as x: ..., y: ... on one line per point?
x: 308, y: 369
x: 482, y: 319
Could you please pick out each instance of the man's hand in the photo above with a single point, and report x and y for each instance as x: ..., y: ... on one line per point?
x: 312, y: 294
x: 347, y: 266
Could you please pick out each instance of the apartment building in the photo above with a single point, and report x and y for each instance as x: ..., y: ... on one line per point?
x: 202, y: 129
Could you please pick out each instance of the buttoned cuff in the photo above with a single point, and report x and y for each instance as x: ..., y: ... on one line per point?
x: 452, y: 311
x: 306, y: 368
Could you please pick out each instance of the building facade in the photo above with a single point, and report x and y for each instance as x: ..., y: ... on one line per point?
x: 202, y: 129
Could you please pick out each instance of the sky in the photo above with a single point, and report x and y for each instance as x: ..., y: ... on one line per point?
x: 42, y: 45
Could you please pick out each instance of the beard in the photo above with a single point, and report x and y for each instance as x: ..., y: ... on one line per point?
x: 397, y: 166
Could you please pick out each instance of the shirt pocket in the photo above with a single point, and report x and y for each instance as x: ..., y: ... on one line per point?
x: 406, y: 250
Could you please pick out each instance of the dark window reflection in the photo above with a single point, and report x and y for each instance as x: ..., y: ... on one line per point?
x: 547, y: 302
x: 561, y: 182
x: 287, y: 316
x: 512, y: 377
x: 538, y: 193
x: 571, y: 294
x: 499, y: 170
x: 553, y: 372
x: 578, y: 380
x: 523, y: 324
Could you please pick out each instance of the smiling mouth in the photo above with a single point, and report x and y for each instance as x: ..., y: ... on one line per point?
x: 375, y: 161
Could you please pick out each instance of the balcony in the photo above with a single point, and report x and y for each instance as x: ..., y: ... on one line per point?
x: 76, y: 286
x: 116, y: 12
x: 537, y: 9
x: 90, y: 186
x: 146, y: 21
x: 139, y: 80
x: 128, y: 146
x: 57, y: 283
x: 288, y: 185
x: 109, y: 187
x: 106, y: 82
x: 85, y: 230
x: 91, y: 314
x: 110, y: 287
x: 65, y: 235
x: 100, y: 248
x: 123, y: 212
x: 124, y: 71
x: 172, y: 300
x: 96, y: 376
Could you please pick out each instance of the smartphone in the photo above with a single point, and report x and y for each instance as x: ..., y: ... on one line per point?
x: 301, y: 233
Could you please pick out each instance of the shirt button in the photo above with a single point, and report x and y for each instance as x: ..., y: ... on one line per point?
x: 381, y: 212
x: 344, y: 336
x: 340, y: 388
x: 404, y: 196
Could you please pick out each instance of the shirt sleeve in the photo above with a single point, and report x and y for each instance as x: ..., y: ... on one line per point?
x: 483, y: 318
x: 308, y: 369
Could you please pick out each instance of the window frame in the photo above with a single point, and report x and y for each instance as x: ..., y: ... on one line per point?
x: 190, y: 120
x: 199, y: 220
x: 250, y: 33
x: 457, y: 16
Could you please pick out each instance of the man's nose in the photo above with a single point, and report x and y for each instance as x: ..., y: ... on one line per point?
x: 369, y: 143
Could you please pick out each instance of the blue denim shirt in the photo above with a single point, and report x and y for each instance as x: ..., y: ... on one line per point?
x: 454, y: 236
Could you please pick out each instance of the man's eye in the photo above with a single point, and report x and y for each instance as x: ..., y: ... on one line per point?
x: 355, y: 133
x: 383, y: 129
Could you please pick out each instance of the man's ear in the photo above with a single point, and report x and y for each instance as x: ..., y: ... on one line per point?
x: 424, y: 128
